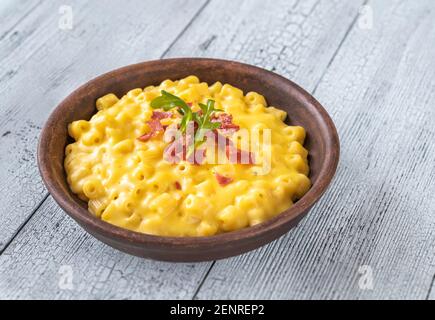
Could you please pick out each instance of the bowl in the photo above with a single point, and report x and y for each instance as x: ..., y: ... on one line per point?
x: 322, y: 143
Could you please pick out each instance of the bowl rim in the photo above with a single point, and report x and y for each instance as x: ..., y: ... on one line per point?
x: 83, y: 216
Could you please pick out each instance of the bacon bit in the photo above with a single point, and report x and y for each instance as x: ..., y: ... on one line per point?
x: 222, y: 180
x: 159, y: 115
x: 190, y: 104
x: 145, y: 137
x: 155, y: 128
x: 226, y: 121
x: 228, y: 131
x: 230, y: 126
x: 177, y: 185
x: 155, y: 125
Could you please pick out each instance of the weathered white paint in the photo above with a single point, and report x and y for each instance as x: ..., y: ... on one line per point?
x: 55, y: 258
x: 377, y: 84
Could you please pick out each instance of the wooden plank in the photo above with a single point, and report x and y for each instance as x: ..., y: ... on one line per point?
x: 296, y: 39
x: 12, y: 12
x: 48, y: 63
x: 377, y: 222
x: 311, y: 36
x: 54, y: 258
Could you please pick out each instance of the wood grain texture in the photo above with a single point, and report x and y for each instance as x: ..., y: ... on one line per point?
x: 296, y: 39
x: 317, y: 19
x: 12, y: 12
x: 42, y: 64
x: 381, y: 211
x: 51, y: 247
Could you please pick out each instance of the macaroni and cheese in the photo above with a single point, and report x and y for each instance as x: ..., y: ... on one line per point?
x: 117, y: 163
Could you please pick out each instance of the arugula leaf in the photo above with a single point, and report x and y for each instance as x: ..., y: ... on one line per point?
x: 204, y: 124
x: 203, y: 108
x: 185, y: 121
x: 212, y: 125
x: 196, y: 117
x: 168, y: 101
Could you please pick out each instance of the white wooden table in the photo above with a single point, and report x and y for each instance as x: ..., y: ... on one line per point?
x: 371, y: 64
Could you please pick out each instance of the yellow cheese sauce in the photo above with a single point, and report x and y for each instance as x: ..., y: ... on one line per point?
x: 127, y: 181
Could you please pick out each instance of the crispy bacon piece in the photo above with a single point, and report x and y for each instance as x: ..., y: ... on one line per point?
x: 159, y: 115
x: 145, y: 137
x: 177, y: 185
x: 226, y: 121
x: 229, y: 126
x: 222, y: 180
x: 155, y: 128
x: 155, y: 125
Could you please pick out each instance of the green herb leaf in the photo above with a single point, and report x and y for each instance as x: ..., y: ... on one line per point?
x: 203, y: 108
x: 212, y: 125
x: 196, y: 117
x: 204, y: 123
x: 168, y: 101
x: 187, y: 117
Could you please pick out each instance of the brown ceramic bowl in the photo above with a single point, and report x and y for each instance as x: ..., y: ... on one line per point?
x: 322, y: 143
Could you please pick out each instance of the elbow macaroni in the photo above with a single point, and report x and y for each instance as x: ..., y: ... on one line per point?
x: 126, y: 182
